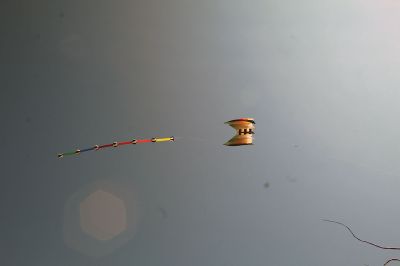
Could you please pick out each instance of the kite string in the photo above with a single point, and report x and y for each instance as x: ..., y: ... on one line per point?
x: 367, y: 242
x: 359, y: 239
x: 390, y: 260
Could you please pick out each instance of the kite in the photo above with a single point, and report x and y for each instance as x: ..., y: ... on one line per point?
x: 115, y: 144
x: 244, y: 131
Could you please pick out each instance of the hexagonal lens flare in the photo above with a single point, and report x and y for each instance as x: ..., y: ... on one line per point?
x: 100, y: 218
x: 102, y: 215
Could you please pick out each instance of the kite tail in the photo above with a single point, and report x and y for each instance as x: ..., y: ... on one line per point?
x: 115, y: 144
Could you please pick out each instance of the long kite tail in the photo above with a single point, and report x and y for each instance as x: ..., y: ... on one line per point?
x: 115, y: 144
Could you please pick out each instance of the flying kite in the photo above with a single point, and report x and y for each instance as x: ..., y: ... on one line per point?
x: 244, y: 136
x: 115, y: 144
x: 244, y: 131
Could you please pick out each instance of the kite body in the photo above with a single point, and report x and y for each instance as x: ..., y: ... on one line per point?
x: 244, y: 131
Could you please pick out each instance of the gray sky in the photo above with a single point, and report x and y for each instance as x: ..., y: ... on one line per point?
x: 319, y: 77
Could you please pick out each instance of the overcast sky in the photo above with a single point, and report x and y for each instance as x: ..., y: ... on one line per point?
x: 320, y: 78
